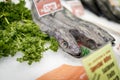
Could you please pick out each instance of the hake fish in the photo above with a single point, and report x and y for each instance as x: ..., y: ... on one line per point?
x: 71, y: 32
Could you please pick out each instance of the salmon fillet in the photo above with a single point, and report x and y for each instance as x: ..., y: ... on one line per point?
x: 65, y: 72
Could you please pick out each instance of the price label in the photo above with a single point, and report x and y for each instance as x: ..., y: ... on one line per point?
x: 102, y: 65
x: 49, y: 7
x: 45, y: 7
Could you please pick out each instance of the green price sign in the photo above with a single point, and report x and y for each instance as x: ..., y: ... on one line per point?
x: 102, y: 65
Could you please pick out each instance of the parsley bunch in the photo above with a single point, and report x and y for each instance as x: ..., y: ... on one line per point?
x: 19, y: 33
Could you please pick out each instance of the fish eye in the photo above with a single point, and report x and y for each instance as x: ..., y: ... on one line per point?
x: 65, y: 44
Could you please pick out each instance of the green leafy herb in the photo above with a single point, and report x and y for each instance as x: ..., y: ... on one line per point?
x: 85, y: 51
x: 19, y: 33
x: 10, y: 12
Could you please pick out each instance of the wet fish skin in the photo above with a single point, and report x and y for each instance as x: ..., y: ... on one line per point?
x: 63, y: 26
x: 91, y: 5
x: 59, y: 30
x: 88, y: 30
x: 104, y: 8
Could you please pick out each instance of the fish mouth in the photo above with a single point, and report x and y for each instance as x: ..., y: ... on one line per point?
x: 78, y: 55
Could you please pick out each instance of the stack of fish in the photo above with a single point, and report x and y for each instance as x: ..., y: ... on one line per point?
x: 71, y: 32
x: 108, y: 8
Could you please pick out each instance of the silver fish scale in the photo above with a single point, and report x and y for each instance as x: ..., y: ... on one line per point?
x: 70, y: 31
x: 83, y: 28
x: 53, y: 22
x: 92, y: 33
x: 91, y: 26
x: 98, y: 31
x: 60, y: 16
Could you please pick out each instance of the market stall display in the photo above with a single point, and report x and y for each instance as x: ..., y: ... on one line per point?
x: 10, y: 69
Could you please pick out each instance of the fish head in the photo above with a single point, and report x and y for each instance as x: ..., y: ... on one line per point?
x: 68, y: 43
